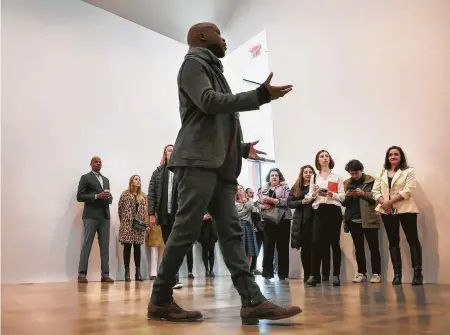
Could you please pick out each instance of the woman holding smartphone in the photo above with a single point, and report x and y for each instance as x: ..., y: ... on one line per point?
x: 393, y: 190
x: 327, y: 193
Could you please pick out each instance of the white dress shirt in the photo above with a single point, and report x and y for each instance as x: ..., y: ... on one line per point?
x: 323, y: 183
x: 99, y: 177
x: 100, y: 180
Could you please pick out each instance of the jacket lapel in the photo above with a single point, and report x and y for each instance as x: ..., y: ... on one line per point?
x: 96, y: 181
x: 396, y: 176
x: 384, y: 177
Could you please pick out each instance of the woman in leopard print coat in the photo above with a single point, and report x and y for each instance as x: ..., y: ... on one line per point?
x: 132, y: 203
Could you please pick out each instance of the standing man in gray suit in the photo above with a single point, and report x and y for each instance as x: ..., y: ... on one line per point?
x: 206, y: 162
x: 93, y: 190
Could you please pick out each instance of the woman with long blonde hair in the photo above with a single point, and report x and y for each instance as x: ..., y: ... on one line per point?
x: 132, y: 205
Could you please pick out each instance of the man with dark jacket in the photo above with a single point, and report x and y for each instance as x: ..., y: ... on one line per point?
x: 206, y: 162
x: 94, y: 191
x: 361, y: 220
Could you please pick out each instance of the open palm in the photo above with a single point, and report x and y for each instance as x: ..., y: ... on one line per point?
x: 255, y: 153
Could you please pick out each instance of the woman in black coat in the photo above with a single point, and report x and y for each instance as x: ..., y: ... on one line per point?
x: 208, y: 239
x: 301, y: 236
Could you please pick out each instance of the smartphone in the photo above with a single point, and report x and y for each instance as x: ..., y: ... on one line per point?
x: 394, y: 211
x: 323, y: 190
x: 351, y: 188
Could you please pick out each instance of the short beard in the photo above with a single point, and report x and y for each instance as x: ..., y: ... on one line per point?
x: 216, y: 50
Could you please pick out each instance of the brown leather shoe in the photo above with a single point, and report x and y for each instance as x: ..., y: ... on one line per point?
x: 267, y: 311
x: 171, y: 312
x: 107, y: 279
x: 82, y: 279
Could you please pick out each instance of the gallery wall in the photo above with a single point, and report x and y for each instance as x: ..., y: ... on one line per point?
x: 366, y: 75
x: 76, y: 82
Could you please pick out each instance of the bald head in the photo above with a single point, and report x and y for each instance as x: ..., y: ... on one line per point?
x: 207, y: 35
x: 195, y: 32
x: 96, y: 163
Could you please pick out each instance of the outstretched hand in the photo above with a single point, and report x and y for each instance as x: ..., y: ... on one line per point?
x: 276, y: 91
x: 255, y: 153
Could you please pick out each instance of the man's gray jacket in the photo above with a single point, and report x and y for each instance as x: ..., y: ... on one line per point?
x: 208, y: 110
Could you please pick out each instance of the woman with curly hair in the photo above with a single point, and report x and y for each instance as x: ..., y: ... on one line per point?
x: 277, y: 216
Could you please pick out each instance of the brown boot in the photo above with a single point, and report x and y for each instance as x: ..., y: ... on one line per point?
x: 267, y: 311
x: 171, y: 312
x: 82, y: 279
x: 107, y: 279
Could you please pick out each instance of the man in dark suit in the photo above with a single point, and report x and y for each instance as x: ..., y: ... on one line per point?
x: 94, y: 191
x: 206, y: 162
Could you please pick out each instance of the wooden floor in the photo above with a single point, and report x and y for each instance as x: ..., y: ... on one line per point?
x: 69, y: 308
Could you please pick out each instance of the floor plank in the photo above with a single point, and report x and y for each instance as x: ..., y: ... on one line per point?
x: 69, y: 308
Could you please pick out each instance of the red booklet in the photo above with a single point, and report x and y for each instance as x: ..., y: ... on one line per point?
x: 332, y: 187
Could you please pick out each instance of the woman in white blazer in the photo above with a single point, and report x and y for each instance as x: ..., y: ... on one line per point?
x: 393, y: 190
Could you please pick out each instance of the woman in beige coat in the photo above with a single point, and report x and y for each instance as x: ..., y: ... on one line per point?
x: 394, y: 190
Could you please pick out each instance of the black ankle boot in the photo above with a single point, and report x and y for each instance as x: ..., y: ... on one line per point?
x: 396, y: 259
x: 127, y: 273
x: 416, y: 260
x: 207, y: 274
x: 138, y: 276
x: 397, y: 278
x: 417, y: 278
x: 336, y: 281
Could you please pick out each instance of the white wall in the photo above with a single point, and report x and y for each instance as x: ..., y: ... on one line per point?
x: 367, y: 75
x: 256, y: 125
x: 76, y: 82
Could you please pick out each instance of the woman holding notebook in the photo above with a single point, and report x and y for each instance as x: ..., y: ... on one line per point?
x: 327, y: 193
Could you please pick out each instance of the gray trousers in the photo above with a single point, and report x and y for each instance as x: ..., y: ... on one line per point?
x: 101, y: 227
x: 200, y: 190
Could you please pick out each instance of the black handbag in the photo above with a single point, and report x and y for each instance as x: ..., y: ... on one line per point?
x: 139, y: 225
x: 272, y: 215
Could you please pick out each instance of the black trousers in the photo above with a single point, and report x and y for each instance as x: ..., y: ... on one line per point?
x: 277, y: 236
x: 166, y: 230
x: 326, y: 232
x: 305, y: 255
x: 371, y: 234
x: 326, y: 262
x: 409, y: 225
x: 259, y: 241
x: 199, y: 190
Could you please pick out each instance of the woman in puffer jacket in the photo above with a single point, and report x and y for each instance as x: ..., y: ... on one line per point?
x: 302, y: 221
